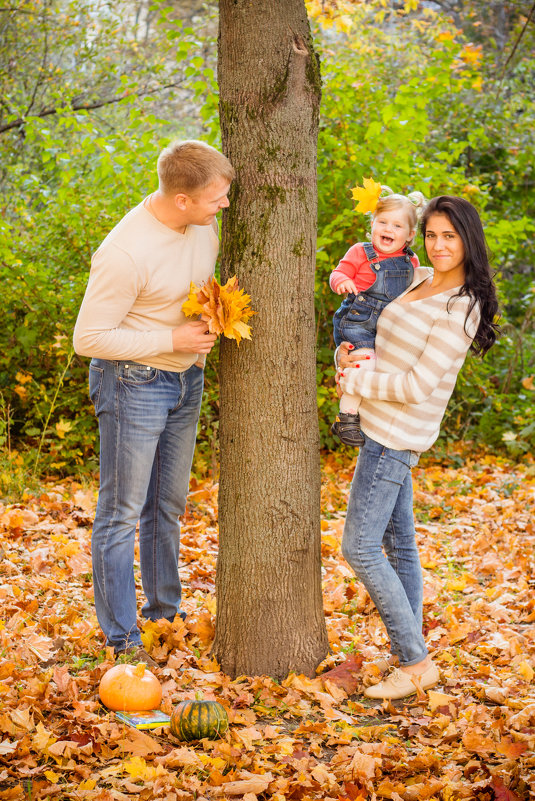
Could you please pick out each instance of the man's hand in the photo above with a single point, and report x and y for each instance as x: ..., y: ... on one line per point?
x: 193, y: 337
x: 347, y: 286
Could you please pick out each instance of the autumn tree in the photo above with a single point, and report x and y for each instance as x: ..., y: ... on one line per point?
x: 436, y: 96
x: 270, y: 614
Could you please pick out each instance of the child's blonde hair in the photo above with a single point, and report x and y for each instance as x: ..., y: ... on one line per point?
x: 413, y: 204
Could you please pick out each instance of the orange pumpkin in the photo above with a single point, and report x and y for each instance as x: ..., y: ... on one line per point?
x: 130, y: 688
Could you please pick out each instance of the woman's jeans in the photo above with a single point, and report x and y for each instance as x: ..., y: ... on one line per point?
x: 148, y: 422
x: 380, y: 515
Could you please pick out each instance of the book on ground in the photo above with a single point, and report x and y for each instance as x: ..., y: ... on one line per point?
x: 151, y: 719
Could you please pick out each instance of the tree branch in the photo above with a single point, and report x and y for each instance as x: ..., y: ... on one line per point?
x: 47, y: 112
x: 5, y: 105
x: 43, y: 66
x: 515, y: 46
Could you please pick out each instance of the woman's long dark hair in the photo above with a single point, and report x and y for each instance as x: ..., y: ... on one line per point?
x: 478, y: 283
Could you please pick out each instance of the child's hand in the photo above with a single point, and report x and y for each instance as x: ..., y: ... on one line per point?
x: 346, y: 286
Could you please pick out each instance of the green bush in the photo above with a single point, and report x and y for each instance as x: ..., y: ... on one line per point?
x: 413, y: 117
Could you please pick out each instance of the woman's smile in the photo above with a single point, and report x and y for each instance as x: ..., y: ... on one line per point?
x: 445, y: 249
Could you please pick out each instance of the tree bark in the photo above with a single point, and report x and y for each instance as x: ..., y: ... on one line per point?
x: 269, y: 605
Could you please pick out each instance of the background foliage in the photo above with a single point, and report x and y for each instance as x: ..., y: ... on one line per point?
x: 434, y: 96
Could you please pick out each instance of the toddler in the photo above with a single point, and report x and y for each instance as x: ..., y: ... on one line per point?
x: 372, y: 275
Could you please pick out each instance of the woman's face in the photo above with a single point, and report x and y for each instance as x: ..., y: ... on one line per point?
x: 444, y: 247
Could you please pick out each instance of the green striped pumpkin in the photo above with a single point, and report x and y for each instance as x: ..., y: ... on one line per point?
x: 194, y: 720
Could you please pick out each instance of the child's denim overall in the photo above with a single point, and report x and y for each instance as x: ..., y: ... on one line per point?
x: 356, y: 319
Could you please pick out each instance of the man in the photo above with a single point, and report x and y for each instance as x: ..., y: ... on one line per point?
x: 146, y: 381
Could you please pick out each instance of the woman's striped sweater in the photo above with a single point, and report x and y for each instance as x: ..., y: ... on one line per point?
x: 421, y: 346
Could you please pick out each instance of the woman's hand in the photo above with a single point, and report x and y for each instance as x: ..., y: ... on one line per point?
x: 346, y: 356
x: 349, y: 360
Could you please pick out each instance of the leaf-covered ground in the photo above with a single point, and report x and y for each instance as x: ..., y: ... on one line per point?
x: 472, y: 737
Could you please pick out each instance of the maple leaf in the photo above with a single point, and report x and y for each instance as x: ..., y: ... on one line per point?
x: 87, y: 784
x: 526, y: 671
x: 501, y: 792
x: 362, y: 766
x: 438, y: 699
x: 251, y: 784
x: 225, y: 308
x: 13, y: 519
x: 138, y: 769
x: 445, y: 36
x: 523, y: 718
x: 476, y: 742
x: 248, y: 736
x: 472, y: 55
x: 7, y: 747
x: 367, y: 195
x: 42, y: 738
x: 180, y: 758
x: 323, y: 776
x: 346, y: 674
x: 63, y: 427
x: 139, y: 744
x: 202, y: 626
x: 353, y: 792
x: 511, y: 749
x: 22, y: 718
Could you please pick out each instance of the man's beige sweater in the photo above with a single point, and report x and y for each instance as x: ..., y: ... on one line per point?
x: 140, y: 276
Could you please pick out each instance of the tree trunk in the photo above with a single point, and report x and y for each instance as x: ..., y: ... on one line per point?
x: 269, y: 605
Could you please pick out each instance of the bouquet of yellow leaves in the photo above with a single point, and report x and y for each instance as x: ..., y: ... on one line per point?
x: 225, y: 308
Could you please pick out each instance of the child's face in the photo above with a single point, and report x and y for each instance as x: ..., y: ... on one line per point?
x: 391, y: 230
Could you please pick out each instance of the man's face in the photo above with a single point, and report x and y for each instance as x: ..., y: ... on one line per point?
x: 202, y: 208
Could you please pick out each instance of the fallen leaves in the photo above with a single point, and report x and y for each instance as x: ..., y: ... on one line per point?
x: 251, y: 784
x: 346, y: 675
x: 472, y: 737
x: 437, y: 699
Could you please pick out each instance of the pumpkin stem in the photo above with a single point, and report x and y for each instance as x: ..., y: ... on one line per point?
x: 139, y: 669
x: 198, y: 696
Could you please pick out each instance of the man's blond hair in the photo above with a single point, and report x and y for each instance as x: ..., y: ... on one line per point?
x: 189, y: 166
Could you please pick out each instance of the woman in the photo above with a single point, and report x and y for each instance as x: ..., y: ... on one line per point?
x: 423, y: 337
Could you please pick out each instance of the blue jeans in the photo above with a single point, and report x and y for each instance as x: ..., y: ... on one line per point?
x: 380, y: 515
x: 148, y: 423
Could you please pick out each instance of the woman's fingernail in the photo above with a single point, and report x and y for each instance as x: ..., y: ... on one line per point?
x: 342, y: 374
x: 350, y: 347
